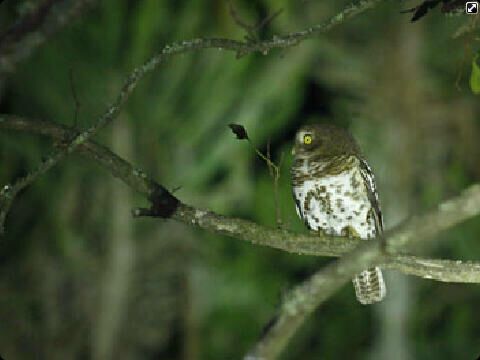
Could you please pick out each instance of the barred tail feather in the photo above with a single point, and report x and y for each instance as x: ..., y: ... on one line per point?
x: 369, y: 286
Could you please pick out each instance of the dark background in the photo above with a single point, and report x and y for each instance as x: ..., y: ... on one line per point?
x: 81, y: 279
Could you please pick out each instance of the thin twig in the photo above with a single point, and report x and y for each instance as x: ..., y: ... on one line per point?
x: 252, y: 30
x: 75, y: 99
x: 274, y: 171
x: 238, y: 20
x: 275, y: 175
x: 267, y: 20
x: 467, y: 28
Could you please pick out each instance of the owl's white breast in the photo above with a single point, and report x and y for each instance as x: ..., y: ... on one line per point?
x: 332, y: 203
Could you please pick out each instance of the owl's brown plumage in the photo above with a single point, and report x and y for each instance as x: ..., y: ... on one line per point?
x: 335, y: 192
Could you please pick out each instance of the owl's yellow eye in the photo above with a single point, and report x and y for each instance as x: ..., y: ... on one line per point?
x: 307, y: 139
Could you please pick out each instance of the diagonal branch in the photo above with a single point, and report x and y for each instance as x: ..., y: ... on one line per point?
x: 306, y: 244
x: 302, y: 300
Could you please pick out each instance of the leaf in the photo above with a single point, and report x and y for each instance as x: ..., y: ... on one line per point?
x: 475, y: 75
x: 239, y: 131
x: 422, y: 9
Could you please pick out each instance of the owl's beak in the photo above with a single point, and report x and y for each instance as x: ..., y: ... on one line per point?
x: 293, y: 150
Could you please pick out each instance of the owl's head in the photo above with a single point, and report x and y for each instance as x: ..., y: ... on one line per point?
x: 324, y: 140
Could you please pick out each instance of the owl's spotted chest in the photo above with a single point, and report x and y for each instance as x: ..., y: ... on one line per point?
x: 337, y: 204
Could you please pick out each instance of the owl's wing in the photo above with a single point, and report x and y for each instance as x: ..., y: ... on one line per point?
x: 369, y: 180
x: 298, y: 206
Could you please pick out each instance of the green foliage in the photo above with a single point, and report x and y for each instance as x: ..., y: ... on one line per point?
x: 475, y: 75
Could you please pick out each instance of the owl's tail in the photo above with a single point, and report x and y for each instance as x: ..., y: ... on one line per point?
x: 369, y: 286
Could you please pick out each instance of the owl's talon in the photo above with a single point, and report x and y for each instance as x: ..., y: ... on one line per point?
x: 319, y: 233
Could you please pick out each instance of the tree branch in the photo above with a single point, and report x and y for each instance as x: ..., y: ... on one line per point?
x: 305, y: 244
x: 302, y: 300
x: 38, y: 34
x: 34, y: 28
x: 27, y: 23
x: 441, y: 270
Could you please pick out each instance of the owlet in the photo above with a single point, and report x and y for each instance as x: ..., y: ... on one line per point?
x: 334, y: 191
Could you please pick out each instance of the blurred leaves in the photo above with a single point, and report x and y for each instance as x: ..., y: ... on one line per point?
x: 421, y: 10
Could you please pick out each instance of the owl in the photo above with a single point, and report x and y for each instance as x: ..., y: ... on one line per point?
x: 335, y: 193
